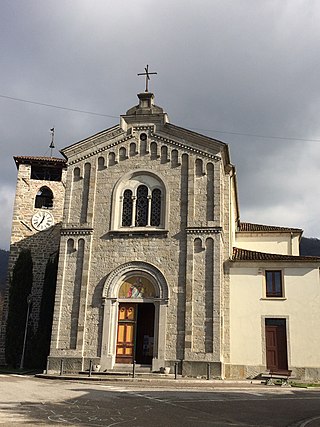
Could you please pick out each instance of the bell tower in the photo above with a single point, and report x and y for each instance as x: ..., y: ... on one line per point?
x: 36, y: 224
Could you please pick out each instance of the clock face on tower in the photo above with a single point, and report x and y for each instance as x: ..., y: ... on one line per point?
x: 42, y: 220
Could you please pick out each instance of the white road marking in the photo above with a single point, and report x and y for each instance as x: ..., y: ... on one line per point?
x: 307, y: 422
x: 253, y: 396
x: 114, y: 388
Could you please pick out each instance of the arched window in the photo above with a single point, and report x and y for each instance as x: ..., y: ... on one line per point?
x: 147, y: 207
x: 70, y: 246
x: 197, y: 245
x: 174, y: 159
x: 156, y: 207
x: 199, y: 167
x: 143, y: 144
x: 44, y: 198
x: 122, y: 154
x: 76, y: 174
x: 154, y: 150
x: 142, y: 198
x: 101, y: 164
x: 111, y: 159
x: 164, y: 154
x: 133, y: 149
x: 127, y: 208
x: 142, y: 206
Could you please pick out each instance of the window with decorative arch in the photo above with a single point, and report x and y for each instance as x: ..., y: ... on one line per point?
x: 140, y: 202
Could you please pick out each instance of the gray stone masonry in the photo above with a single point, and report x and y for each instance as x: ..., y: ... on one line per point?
x: 188, y: 248
x: 42, y: 244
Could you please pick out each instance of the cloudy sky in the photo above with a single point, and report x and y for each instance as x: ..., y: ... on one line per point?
x: 246, y: 72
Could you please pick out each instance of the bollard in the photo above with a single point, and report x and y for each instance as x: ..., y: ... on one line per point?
x: 47, y: 367
x: 61, y: 366
x: 90, y: 368
x: 175, y: 370
x: 208, y: 371
x: 133, y: 368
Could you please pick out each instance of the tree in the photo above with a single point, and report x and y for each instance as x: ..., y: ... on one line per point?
x: 20, y: 288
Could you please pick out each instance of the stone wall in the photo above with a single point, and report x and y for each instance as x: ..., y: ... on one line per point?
x: 23, y: 236
x: 188, y: 249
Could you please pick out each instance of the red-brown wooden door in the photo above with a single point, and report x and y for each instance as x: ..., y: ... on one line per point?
x: 276, y: 344
x: 126, y: 333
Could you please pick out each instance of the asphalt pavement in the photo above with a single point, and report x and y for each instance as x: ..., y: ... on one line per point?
x: 138, y: 402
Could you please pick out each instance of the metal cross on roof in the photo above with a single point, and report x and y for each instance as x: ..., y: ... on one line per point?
x: 147, y: 74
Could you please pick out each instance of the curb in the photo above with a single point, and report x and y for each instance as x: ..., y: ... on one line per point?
x: 158, y: 381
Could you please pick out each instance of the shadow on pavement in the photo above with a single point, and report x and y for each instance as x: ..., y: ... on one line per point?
x: 118, y: 406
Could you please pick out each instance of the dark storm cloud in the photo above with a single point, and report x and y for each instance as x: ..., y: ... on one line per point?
x: 237, y: 66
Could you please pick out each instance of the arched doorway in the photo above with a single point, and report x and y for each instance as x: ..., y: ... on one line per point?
x: 135, y: 331
x: 135, y: 336
x: 135, y: 299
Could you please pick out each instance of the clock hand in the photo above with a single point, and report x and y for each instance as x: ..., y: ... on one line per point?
x: 43, y: 216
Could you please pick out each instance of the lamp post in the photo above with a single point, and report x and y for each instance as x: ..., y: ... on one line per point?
x: 29, y: 301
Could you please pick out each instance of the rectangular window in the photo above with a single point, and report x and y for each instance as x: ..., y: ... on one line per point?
x: 274, y: 283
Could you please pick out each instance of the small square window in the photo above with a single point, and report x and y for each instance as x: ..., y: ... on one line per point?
x: 274, y: 283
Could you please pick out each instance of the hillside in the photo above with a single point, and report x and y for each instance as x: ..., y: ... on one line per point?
x: 310, y: 246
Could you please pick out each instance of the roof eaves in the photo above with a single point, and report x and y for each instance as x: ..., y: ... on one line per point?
x: 39, y: 159
x: 247, y: 227
x: 244, y: 255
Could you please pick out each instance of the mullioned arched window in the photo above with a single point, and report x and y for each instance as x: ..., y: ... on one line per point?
x: 141, y: 208
x: 140, y: 200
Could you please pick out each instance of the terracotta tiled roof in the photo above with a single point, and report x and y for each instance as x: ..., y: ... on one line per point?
x: 38, y: 159
x: 247, y: 226
x: 246, y: 255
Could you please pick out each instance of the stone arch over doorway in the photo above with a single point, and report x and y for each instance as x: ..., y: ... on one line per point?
x: 116, y: 277
x: 158, y: 300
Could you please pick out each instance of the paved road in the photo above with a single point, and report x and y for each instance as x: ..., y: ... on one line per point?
x: 33, y: 401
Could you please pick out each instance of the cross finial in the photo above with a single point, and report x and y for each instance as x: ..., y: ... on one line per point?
x: 147, y: 74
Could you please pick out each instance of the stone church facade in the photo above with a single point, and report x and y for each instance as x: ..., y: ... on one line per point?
x: 146, y: 206
x: 155, y: 266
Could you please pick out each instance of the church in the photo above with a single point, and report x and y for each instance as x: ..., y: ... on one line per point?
x: 155, y: 265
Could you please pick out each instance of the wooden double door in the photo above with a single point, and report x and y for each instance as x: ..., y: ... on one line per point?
x: 135, y: 335
x: 276, y: 344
